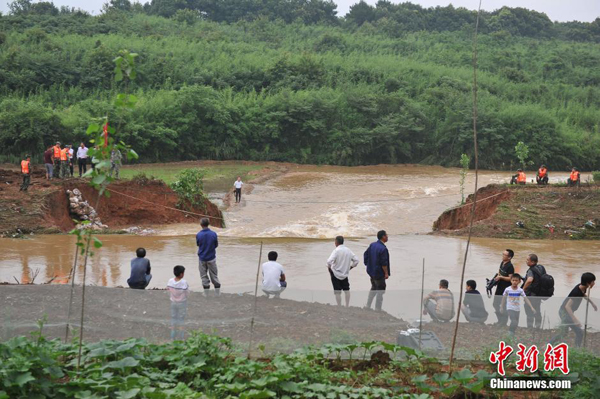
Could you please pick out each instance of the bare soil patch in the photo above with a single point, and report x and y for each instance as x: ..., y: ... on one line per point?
x: 44, y: 207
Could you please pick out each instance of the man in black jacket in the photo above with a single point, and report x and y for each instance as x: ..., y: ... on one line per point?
x: 505, y: 271
x: 473, y: 307
x: 532, y: 281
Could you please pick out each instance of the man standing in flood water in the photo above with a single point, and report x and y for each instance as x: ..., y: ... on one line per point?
x: 377, y: 261
x: 207, y: 242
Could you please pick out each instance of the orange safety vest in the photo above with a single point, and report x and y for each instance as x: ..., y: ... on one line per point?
x: 542, y: 172
x: 25, y: 167
x: 64, y: 154
x: 57, y: 151
x: 574, y: 176
x: 521, y: 178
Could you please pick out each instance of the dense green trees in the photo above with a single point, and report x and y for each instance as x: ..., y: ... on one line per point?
x: 390, y: 83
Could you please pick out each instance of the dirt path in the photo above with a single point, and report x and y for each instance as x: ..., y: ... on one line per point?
x: 280, y: 324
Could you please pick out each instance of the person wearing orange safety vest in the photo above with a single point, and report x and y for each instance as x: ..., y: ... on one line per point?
x: 64, y: 163
x: 26, y: 171
x: 56, y: 159
x: 519, y: 178
x: 542, y: 175
x: 574, y: 178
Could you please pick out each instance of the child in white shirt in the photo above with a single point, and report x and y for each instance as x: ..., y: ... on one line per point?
x: 178, y: 289
x: 511, y: 302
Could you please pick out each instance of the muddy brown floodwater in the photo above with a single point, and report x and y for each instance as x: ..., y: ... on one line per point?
x: 297, y: 214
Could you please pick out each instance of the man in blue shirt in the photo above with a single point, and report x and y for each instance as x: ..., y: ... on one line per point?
x: 207, y: 242
x: 377, y: 260
x: 140, y: 271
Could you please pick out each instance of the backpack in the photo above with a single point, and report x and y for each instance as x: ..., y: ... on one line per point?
x: 543, y: 283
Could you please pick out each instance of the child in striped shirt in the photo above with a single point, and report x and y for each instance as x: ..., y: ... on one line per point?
x: 511, y: 302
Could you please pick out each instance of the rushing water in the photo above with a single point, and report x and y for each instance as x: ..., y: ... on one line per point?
x: 298, y: 214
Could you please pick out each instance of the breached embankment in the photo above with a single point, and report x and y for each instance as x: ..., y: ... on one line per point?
x: 538, y: 212
x: 44, y: 208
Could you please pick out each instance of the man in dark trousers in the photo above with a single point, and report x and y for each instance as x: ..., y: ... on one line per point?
x: 503, y: 281
x: 207, y: 243
x: 568, y: 320
x: 140, y: 271
x: 473, y: 307
x: 377, y: 261
x: 26, y: 172
x: 532, y: 281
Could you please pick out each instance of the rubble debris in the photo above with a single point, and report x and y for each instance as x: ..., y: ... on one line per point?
x: 83, y: 211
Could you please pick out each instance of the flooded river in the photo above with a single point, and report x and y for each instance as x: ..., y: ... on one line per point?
x: 297, y: 215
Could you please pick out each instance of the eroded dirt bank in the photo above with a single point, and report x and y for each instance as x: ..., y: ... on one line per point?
x: 550, y: 212
x: 44, y: 207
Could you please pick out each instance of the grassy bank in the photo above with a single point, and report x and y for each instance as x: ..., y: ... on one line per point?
x: 534, y: 212
x: 217, y: 175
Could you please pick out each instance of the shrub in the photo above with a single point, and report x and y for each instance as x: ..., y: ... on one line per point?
x: 189, y: 187
x: 596, y: 176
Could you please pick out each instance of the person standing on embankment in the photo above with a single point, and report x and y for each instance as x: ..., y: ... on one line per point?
x: 70, y: 155
x: 64, y: 163
x: 82, y: 157
x: 377, y: 261
x: 207, y: 242
x: 26, y: 171
x: 531, y: 287
x: 339, y: 263
x: 48, y: 162
x: 505, y: 272
x: 56, y: 159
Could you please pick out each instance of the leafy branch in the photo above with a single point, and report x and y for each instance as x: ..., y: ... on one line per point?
x: 102, y: 135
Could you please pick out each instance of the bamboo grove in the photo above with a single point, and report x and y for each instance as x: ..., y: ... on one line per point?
x: 384, y: 84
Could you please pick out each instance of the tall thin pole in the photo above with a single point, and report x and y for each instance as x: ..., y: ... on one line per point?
x: 87, y: 251
x: 462, y: 276
x: 255, y: 300
x: 72, y: 277
x: 85, y: 259
x: 421, y: 310
x: 587, y: 308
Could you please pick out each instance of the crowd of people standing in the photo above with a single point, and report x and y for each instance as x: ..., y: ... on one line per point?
x: 59, y: 163
x: 534, y: 287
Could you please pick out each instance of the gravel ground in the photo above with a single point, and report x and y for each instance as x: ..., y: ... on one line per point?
x: 279, y: 324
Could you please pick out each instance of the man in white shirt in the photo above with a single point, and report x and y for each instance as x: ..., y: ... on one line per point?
x: 82, y: 156
x: 273, y: 276
x: 238, y: 189
x: 341, y: 260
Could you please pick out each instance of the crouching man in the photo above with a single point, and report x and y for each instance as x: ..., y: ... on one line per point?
x: 273, y: 276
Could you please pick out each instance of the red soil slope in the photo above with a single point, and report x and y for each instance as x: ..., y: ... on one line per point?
x: 44, y: 208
